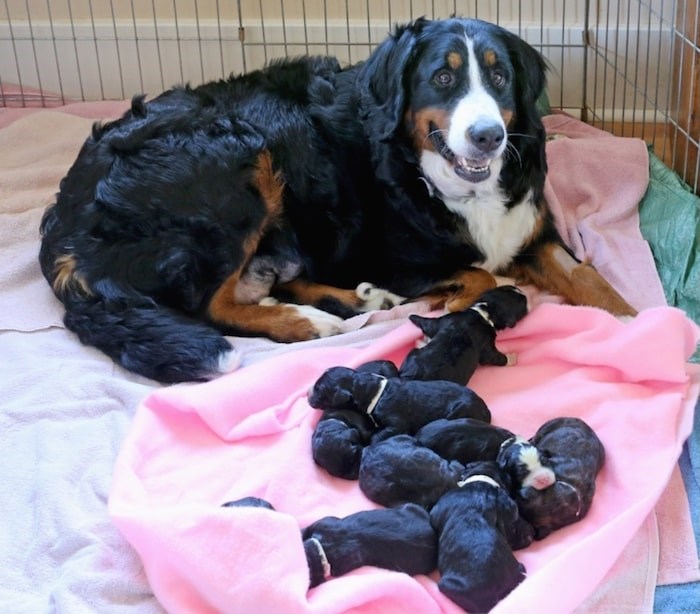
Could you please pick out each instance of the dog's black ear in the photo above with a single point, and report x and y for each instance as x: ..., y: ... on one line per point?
x: 530, y: 70
x: 381, y: 77
x: 527, y: 134
x: 429, y: 326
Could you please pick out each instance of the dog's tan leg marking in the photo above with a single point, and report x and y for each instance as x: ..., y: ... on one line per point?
x: 277, y: 321
x: 308, y: 292
x: 556, y: 271
x: 365, y: 297
x: 280, y: 322
x: 460, y: 291
x: 223, y: 308
x: 67, y: 276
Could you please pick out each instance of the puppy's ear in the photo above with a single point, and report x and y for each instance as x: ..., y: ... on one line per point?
x: 429, y: 326
x: 342, y: 399
x: 381, y: 78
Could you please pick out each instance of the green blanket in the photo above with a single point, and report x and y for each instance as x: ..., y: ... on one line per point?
x: 670, y: 222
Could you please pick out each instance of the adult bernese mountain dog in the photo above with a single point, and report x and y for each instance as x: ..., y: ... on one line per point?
x: 278, y: 202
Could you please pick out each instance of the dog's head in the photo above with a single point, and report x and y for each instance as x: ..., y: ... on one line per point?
x: 552, y: 508
x: 506, y: 306
x: 462, y: 89
x: 333, y: 390
x: 525, y: 465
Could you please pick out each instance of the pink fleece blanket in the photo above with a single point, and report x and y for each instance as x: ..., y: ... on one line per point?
x: 191, y: 448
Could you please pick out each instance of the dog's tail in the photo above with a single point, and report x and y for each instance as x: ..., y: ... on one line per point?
x: 149, y: 339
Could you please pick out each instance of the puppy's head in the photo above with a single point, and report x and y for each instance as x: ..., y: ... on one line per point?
x: 333, y: 390
x: 506, y: 306
x: 552, y: 508
x: 458, y: 87
x: 525, y: 465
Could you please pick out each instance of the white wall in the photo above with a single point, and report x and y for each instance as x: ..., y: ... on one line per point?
x: 113, y: 50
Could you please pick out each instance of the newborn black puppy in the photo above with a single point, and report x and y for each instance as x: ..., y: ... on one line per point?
x: 463, y: 439
x: 399, y: 470
x: 402, y: 405
x: 576, y: 455
x: 340, y: 435
x: 463, y: 340
x: 338, y: 440
x: 400, y: 539
x: 478, y: 526
x: 525, y: 464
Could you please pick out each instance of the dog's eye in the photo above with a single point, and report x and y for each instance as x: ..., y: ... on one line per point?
x: 498, y: 78
x: 444, y: 78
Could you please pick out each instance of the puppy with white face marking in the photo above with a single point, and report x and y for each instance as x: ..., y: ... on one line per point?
x: 576, y: 454
x: 525, y: 464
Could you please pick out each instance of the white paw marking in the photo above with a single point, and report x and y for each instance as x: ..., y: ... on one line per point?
x: 326, y: 324
x: 376, y: 298
x: 268, y: 301
x: 229, y: 361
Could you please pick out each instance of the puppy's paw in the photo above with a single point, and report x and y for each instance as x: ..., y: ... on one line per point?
x: 374, y: 298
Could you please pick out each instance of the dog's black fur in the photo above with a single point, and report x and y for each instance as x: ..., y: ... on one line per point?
x: 338, y: 440
x: 341, y: 434
x: 463, y: 439
x: 478, y: 526
x: 461, y: 341
x: 176, y: 219
x: 396, y: 403
x: 400, y: 539
x: 576, y: 455
x: 399, y: 470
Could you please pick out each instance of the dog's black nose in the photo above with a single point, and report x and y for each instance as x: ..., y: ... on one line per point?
x: 486, y: 135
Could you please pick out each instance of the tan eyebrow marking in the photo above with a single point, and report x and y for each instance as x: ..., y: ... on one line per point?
x: 454, y: 59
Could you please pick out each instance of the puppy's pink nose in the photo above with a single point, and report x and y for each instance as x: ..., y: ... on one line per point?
x: 543, y: 478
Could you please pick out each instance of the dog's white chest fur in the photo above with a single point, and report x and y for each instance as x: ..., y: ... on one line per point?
x: 499, y: 232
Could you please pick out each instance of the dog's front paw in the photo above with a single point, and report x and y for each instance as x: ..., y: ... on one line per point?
x: 324, y: 324
x: 374, y: 298
x: 288, y: 322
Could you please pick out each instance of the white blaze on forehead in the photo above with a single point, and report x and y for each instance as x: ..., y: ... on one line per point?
x: 530, y: 457
x: 478, y: 104
x: 538, y: 476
